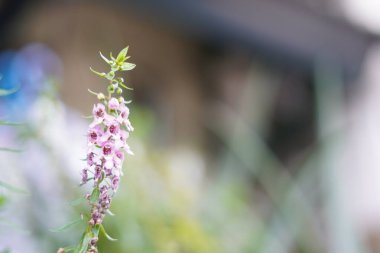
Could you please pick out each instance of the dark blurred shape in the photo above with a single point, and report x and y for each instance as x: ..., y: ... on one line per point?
x: 281, y: 31
x: 286, y: 32
x: 9, y: 12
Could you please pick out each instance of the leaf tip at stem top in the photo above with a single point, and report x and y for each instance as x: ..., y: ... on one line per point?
x: 104, y: 58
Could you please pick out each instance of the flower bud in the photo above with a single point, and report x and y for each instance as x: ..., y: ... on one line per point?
x: 113, y: 104
x: 111, y: 88
x: 93, y: 241
x: 91, y: 222
x: 119, y: 90
x: 101, y: 96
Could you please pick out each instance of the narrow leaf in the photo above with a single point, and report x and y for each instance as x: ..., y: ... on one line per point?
x: 94, y: 195
x: 11, y: 188
x: 127, y: 66
x: 4, y: 92
x: 10, y: 150
x: 125, y: 87
x: 98, y: 73
x: 92, y: 92
x: 103, y: 231
x: 111, y: 56
x: 76, y: 202
x: 95, y: 230
x: 83, y: 245
x: 67, y: 226
x: 121, y: 56
x: 110, y: 213
x: 68, y: 249
x: 8, y: 123
x: 104, y: 58
x: 3, y: 200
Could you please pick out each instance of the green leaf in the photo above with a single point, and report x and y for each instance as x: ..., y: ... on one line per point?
x: 11, y: 188
x: 8, y: 123
x: 127, y: 66
x: 125, y: 87
x: 3, y: 200
x: 98, y: 73
x: 95, y: 195
x: 92, y: 92
x: 122, y: 55
x: 4, y: 92
x: 68, y: 248
x: 103, y: 231
x: 10, y: 150
x: 78, y: 247
x: 104, y: 58
x: 83, y: 245
x: 110, y: 75
x: 76, y: 202
x: 67, y: 226
x: 95, y: 230
x: 110, y: 213
x: 111, y: 56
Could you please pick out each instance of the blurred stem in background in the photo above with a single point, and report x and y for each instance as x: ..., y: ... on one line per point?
x: 329, y: 90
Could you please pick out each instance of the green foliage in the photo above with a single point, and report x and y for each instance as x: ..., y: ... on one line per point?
x: 95, y: 196
x: 67, y: 226
x: 13, y: 150
x: 116, y: 64
x: 85, y: 240
x: 4, y: 92
x: 11, y: 188
x: 77, y: 202
x: 3, y: 200
x: 9, y: 123
x: 103, y: 231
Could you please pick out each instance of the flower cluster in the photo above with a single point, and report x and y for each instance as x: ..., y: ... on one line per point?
x: 107, y: 136
x: 107, y: 143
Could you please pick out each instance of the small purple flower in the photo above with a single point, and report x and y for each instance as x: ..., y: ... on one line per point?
x: 93, y: 241
x: 98, y: 172
x: 124, y: 135
x: 108, y: 172
x: 128, y: 125
x: 99, y: 111
x: 107, y: 148
x: 113, y: 127
x: 84, y: 175
x: 94, y: 134
x: 90, y: 158
x: 115, y: 183
x: 124, y: 113
x: 103, y: 189
x: 113, y: 104
x: 109, y: 164
x: 119, y: 155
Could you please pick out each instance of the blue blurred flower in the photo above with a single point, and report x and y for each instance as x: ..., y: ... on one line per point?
x: 31, y: 70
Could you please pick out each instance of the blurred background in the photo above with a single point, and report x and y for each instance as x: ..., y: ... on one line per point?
x: 256, y: 124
